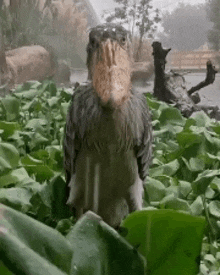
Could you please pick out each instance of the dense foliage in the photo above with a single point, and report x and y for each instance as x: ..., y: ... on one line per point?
x: 184, y: 176
x: 213, y: 11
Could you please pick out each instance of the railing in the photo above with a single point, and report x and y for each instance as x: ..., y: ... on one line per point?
x: 191, y: 59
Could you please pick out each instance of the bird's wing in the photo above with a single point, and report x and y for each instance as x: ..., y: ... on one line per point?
x: 70, y: 144
x: 80, y: 114
x: 72, y: 135
x: 144, y: 146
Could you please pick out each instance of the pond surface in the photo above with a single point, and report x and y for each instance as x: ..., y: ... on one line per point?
x: 209, y: 95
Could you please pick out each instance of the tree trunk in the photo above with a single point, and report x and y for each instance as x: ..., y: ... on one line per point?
x: 210, y: 78
x: 2, y: 47
x: 139, y: 49
x: 171, y: 87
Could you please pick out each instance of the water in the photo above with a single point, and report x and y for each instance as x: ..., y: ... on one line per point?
x: 210, y: 95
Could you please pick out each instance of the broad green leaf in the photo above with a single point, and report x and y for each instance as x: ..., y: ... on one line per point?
x: 9, y: 153
x: 56, y: 154
x: 18, y: 198
x: 67, y: 94
x: 33, y: 105
x: 167, y: 169
x: 185, y: 139
x: 171, y: 115
x: 154, y: 189
x: 99, y: 249
x: 171, y: 202
x: 60, y: 209
x: 11, y: 107
x: 31, y: 84
x: 41, y: 202
x: 196, y: 164
x: 202, y: 120
x: 54, y: 101
x: 41, y: 172
x: 40, y: 154
x: 15, y: 176
x: 214, y: 208
x: 185, y: 188
x: 30, y: 94
x: 4, y: 166
x: 4, y: 270
x: 169, y: 240
x: 197, y: 206
x: 37, y: 125
x: 64, y: 109
x: 29, y: 160
x: 37, y: 141
x: 30, y: 247
x: 203, y: 180
x: 9, y: 128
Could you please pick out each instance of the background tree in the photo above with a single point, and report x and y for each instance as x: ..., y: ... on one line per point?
x: 2, y: 46
x: 185, y: 28
x: 139, y: 17
x: 213, y: 11
x: 27, y: 22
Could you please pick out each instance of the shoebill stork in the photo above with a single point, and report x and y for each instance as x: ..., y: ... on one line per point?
x: 108, y: 134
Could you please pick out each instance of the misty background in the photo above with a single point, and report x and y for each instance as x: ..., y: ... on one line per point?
x: 62, y: 27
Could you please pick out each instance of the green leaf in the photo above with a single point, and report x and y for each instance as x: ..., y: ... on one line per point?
x: 31, y: 94
x: 11, y: 107
x: 4, y: 270
x: 15, y: 176
x: 9, y: 153
x: 29, y: 160
x: 33, y: 105
x: 196, y: 164
x: 41, y: 202
x: 214, y: 208
x: 9, y: 128
x: 60, y: 209
x: 64, y: 109
x: 197, y: 206
x: 171, y: 202
x: 37, y: 125
x: 185, y: 188
x: 169, y: 240
x: 202, y: 120
x: 4, y: 166
x: 30, y: 247
x: 186, y: 139
x: 171, y: 115
x: 154, y: 189
x: 203, y: 180
x: 42, y: 172
x: 37, y: 141
x: 168, y: 169
x: 99, y: 249
x: 18, y: 198
x: 54, y: 101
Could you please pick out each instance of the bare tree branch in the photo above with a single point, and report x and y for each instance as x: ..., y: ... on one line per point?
x: 210, y: 78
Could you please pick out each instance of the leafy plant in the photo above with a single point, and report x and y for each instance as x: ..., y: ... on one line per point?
x: 184, y: 177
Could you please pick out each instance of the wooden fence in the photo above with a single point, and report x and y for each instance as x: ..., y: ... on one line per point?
x: 195, y: 60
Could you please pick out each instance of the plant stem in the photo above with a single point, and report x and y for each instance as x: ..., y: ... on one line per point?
x: 212, y: 236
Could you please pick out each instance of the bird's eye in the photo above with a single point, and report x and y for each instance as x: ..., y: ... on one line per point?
x: 92, y: 42
x: 123, y: 40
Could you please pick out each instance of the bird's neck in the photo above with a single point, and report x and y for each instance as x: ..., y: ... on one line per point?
x: 112, y: 76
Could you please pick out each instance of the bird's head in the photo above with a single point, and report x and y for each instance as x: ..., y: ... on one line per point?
x: 109, y: 63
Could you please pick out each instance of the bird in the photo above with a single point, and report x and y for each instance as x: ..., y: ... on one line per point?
x: 108, y: 133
